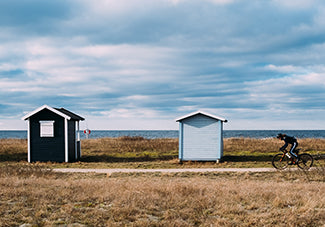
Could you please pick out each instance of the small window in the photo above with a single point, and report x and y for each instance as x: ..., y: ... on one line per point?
x: 47, y: 128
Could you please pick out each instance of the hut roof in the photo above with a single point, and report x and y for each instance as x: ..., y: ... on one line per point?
x: 59, y: 111
x: 69, y: 113
x: 203, y: 113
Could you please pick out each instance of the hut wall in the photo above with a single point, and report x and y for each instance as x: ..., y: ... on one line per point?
x: 201, y: 137
x: 47, y: 148
x: 72, y: 141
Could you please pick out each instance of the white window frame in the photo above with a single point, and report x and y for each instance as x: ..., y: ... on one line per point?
x: 46, y: 128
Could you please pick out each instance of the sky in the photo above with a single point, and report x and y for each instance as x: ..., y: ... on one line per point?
x: 141, y: 64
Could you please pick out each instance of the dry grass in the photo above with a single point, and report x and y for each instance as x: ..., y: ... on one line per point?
x: 269, y: 145
x: 33, y: 194
x: 13, y: 149
x: 129, y: 149
x: 138, y: 152
x: 130, y: 152
x: 44, y: 198
x: 249, y: 152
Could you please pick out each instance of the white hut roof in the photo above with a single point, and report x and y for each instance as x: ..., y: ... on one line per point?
x: 203, y: 113
x: 61, y: 112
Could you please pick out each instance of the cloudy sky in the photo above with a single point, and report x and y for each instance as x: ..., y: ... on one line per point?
x: 140, y: 64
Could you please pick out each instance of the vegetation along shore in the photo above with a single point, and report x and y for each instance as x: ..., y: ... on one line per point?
x: 34, y: 195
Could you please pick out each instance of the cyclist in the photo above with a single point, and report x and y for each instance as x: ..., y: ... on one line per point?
x: 294, y: 144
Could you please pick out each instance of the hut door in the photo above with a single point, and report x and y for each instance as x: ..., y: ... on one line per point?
x: 200, y: 138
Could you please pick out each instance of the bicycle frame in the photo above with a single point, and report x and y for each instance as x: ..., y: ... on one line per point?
x: 287, y: 153
x: 304, y: 160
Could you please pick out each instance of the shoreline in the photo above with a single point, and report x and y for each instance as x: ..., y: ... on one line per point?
x: 173, y: 134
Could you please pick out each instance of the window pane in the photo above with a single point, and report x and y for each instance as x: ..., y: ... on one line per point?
x: 47, y: 128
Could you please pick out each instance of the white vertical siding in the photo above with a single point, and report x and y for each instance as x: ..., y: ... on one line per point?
x: 66, y: 151
x: 220, y: 142
x: 76, y: 140
x: 180, y: 140
x: 201, y: 137
x: 28, y: 139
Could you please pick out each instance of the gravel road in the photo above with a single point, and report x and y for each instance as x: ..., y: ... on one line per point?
x: 197, y: 170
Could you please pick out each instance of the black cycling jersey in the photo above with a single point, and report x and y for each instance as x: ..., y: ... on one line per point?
x: 289, y: 140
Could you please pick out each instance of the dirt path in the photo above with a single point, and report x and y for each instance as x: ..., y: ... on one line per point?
x: 196, y: 170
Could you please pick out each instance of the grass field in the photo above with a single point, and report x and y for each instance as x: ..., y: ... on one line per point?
x: 34, y: 195
x: 137, y: 152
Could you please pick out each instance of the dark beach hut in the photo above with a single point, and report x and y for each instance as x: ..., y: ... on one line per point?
x: 200, y: 137
x: 53, y: 135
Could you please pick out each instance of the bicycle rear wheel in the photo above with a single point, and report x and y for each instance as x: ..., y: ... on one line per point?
x: 280, y: 161
x: 305, y: 161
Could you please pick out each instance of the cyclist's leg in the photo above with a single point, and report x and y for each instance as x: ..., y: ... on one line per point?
x: 293, y: 147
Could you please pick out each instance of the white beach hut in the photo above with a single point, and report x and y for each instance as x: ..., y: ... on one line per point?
x: 200, y: 137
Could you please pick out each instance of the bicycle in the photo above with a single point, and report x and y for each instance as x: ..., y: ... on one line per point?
x: 281, y: 160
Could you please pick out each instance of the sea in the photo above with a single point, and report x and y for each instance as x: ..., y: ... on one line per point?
x: 153, y: 134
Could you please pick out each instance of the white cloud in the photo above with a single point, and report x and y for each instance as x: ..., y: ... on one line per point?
x: 133, y: 112
x: 221, y: 2
x: 152, y: 60
x: 286, y: 68
x: 7, y: 66
x: 296, y: 4
x: 137, y: 97
x: 289, y: 93
x: 217, y: 2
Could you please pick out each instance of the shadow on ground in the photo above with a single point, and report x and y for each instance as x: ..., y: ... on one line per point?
x: 247, y: 158
x: 227, y: 158
x: 17, y: 157
x: 112, y: 159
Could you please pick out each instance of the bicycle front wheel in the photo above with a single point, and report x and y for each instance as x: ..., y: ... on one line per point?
x: 305, y: 161
x: 280, y: 161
